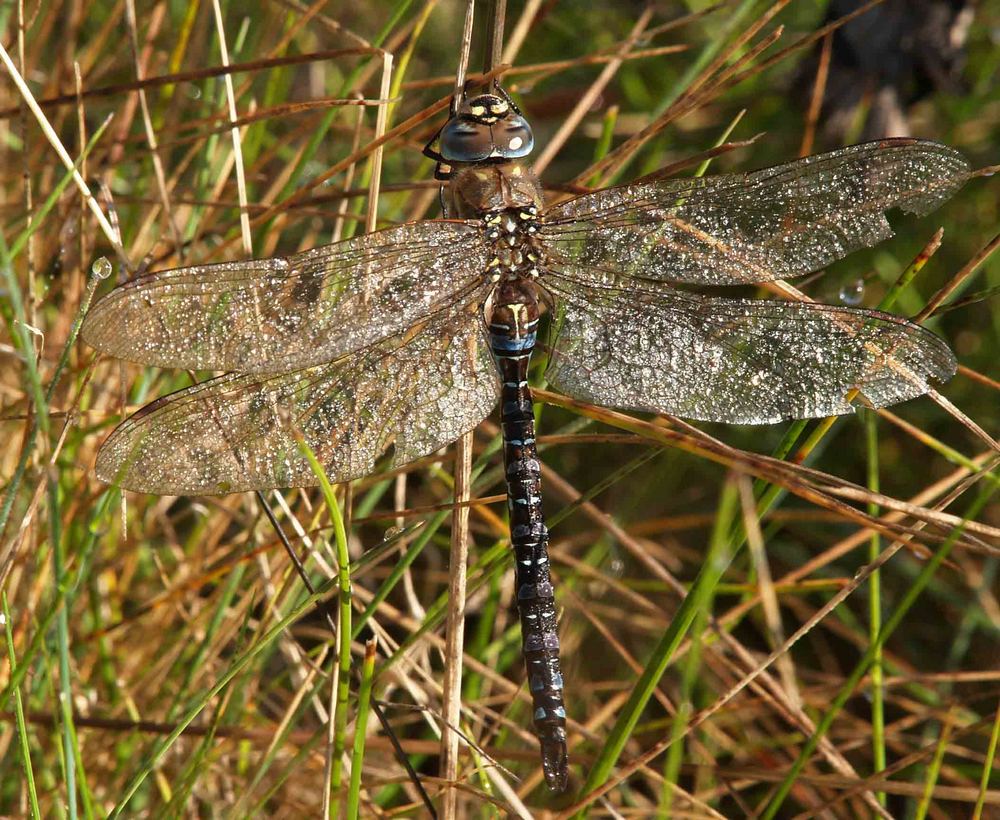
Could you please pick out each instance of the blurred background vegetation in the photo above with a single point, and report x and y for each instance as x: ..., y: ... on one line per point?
x: 143, y: 671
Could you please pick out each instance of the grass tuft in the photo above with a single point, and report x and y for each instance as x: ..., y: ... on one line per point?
x: 167, y: 658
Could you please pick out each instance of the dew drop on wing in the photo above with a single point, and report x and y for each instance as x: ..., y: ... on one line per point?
x: 851, y: 293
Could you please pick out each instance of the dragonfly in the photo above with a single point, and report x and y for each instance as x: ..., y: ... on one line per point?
x: 388, y: 346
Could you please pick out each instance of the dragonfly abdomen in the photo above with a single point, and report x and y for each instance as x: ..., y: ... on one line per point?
x: 512, y: 330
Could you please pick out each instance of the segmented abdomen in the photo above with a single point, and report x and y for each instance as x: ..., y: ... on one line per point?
x: 512, y: 339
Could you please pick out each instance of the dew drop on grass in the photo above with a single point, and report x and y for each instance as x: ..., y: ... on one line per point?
x: 101, y: 267
x: 851, y: 293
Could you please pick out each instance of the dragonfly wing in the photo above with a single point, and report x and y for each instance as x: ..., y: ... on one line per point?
x: 734, y: 360
x: 238, y: 432
x: 775, y: 223
x: 283, y: 313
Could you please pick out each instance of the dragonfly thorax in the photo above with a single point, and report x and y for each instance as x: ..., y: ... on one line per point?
x: 478, y: 190
x: 512, y: 234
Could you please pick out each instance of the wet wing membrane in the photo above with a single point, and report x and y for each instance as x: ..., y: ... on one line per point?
x: 751, y: 227
x: 283, y: 313
x: 418, y: 391
x: 739, y: 361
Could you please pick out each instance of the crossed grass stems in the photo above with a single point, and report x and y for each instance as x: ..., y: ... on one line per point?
x: 919, y: 525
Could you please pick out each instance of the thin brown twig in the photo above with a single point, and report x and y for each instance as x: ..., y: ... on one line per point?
x: 451, y: 699
x: 816, y: 100
x: 193, y: 75
x: 958, y: 279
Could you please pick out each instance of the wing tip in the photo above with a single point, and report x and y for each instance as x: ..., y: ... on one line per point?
x: 951, y: 170
x: 948, y: 360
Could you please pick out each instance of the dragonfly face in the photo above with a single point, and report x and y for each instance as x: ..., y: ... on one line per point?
x: 408, y: 337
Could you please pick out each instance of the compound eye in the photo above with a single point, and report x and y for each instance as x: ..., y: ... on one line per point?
x: 463, y: 141
x: 513, y: 137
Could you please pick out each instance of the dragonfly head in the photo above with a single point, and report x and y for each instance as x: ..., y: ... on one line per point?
x: 484, y: 128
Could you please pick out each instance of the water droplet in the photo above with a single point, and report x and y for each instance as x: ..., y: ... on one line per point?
x: 101, y: 268
x: 391, y: 533
x: 851, y: 293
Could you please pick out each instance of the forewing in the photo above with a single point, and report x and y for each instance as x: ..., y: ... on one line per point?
x: 270, y: 315
x: 770, y: 224
x: 238, y: 432
x: 734, y: 360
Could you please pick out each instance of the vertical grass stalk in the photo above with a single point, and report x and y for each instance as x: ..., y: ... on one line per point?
x: 343, y: 628
x: 927, y: 573
x: 870, y: 420
x: 361, y: 729
x: 991, y: 752
x: 22, y: 729
x: 697, y: 600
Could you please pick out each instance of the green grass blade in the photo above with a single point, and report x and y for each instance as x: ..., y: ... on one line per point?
x: 870, y: 421
x: 909, y: 598
x: 991, y: 753
x: 343, y: 627
x: 934, y: 770
x: 697, y: 599
x: 22, y: 729
x: 71, y: 751
x: 360, y: 730
x: 239, y: 663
